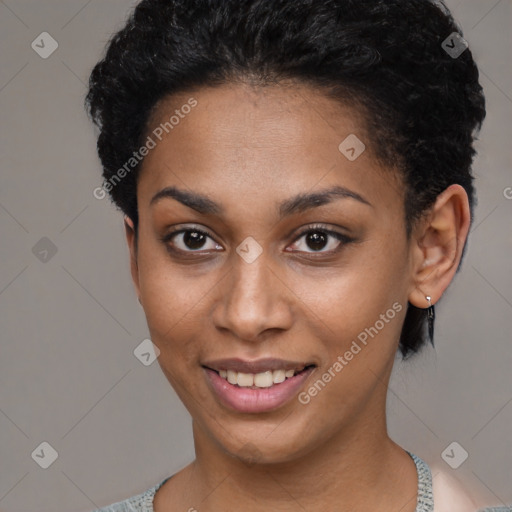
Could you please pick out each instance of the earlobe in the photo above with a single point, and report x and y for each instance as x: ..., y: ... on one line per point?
x: 437, y: 246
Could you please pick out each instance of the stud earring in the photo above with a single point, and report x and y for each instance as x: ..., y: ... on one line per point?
x: 431, y: 316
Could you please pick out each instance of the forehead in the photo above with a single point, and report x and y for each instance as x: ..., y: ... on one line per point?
x: 260, y: 140
x: 245, y: 117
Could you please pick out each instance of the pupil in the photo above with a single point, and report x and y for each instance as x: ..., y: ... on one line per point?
x: 193, y: 239
x: 315, y: 238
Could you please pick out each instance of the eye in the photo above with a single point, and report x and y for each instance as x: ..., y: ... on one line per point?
x: 318, y: 237
x: 190, y: 240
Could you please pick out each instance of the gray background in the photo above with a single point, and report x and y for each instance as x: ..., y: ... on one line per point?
x: 69, y: 325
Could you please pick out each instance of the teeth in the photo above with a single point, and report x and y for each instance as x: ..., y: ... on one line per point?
x: 260, y: 380
x: 245, y: 380
x: 278, y: 376
x: 263, y: 380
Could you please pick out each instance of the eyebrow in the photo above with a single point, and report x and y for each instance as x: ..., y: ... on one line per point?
x: 296, y: 204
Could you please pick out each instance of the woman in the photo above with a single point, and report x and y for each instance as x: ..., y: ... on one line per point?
x: 295, y: 178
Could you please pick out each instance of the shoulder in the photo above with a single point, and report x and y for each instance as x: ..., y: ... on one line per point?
x: 450, y: 495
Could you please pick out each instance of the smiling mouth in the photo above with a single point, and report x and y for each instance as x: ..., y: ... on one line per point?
x: 266, y: 379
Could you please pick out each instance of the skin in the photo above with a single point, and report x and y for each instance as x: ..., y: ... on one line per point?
x: 248, y: 149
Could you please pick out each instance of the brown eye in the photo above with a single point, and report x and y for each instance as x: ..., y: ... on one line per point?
x: 193, y: 239
x: 189, y: 240
x: 317, y: 238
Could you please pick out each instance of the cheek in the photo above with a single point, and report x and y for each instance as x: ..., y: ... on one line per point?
x: 357, y: 311
x: 372, y: 278
x: 173, y: 301
x: 356, y: 317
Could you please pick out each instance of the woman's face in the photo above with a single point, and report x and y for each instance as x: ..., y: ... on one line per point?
x: 281, y: 280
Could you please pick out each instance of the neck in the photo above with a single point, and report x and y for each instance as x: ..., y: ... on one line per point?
x: 357, y: 469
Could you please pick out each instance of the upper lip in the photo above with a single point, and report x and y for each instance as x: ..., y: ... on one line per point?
x: 256, y: 366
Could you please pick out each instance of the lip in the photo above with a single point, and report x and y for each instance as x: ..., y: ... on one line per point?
x: 248, y: 400
x: 256, y: 366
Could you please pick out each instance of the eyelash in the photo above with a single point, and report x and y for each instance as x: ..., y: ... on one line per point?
x: 344, y: 239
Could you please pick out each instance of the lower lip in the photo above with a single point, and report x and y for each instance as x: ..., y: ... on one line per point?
x: 256, y: 400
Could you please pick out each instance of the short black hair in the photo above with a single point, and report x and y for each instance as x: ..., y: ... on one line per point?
x: 422, y: 104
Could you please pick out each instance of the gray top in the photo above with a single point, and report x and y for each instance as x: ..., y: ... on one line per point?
x: 425, y: 502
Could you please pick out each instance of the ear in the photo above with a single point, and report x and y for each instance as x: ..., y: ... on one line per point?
x: 131, y: 239
x: 438, y: 242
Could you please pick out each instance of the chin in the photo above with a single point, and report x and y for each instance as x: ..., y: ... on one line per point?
x: 268, y: 443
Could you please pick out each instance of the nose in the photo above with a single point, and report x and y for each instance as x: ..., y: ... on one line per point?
x: 253, y: 299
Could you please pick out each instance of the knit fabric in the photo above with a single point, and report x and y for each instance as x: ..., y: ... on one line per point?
x: 425, y: 501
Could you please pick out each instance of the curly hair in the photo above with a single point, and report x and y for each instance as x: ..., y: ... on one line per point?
x: 422, y: 106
